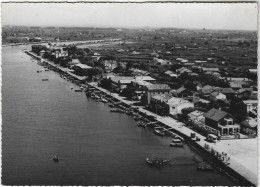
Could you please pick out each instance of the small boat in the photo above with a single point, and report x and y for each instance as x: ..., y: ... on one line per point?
x: 78, y: 90
x: 141, y: 124
x: 111, y: 105
x: 55, y: 158
x: 103, y: 100
x: 45, y: 79
x: 158, y: 132
x: 117, y: 110
x: 203, y: 166
x: 176, y: 143
x: 156, y: 161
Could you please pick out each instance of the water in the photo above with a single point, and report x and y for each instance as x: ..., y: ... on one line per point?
x: 46, y: 118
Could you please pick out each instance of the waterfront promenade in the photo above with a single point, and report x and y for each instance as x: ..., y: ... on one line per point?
x: 240, y: 151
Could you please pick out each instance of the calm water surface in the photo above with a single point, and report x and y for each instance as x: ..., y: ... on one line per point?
x: 46, y: 118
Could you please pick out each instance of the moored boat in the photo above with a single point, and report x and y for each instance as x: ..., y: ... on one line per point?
x: 156, y: 161
x: 203, y: 166
x: 117, y: 110
x: 176, y: 143
x: 158, y: 132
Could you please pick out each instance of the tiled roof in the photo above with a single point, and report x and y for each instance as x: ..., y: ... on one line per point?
x: 215, y: 114
x: 227, y: 91
x: 158, y: 87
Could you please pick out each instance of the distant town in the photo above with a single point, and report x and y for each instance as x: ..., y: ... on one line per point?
x: 201, y: 84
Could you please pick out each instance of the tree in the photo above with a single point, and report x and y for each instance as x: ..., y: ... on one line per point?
x: 129, y: 65
x: 128, y: 92
x: 119, y: 68
x: 143, y: 66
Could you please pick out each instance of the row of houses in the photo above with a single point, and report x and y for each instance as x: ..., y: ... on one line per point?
x: 161, y: 99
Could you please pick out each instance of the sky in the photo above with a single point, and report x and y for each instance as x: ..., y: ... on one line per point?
x: 228, y: 16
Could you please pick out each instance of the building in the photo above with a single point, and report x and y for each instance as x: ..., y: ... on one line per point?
x: 175, y: 105
x: 243, y: 93
x: 182, y: 92
x: 73, y: 62
x: 171, y: 74
x: 229, y: 92
x: 221, y: 121
x: 81, y: 69
x: 118, y: 83
x: 165, y: 104
x: 210, y: 69
x: 251, y: 104
x: 214, y: 96
x: 156, y: 89
x: 249, y: 127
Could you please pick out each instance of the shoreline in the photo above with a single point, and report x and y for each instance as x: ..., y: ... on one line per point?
x: 235, y: 170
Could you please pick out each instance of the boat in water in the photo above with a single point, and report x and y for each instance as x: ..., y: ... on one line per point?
x: 176, y: 142
x: 203, y: 166
x: 117, y: 110
x: 78, y: 90
x: 103, y: 100
x: 111, y: 105
x: 156, y: 161
x: 55, y: 158
x: 158, y: 132
x: 45, y: 79
x: 141, y: 124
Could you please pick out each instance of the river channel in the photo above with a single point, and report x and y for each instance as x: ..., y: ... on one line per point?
x: 45, y: 118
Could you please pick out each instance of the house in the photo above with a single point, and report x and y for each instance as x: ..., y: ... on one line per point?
x: 251, y: 104
x: 140, y: 84
x: 214, y: 96
x: 161, y: 61
x: 74, y: 62
x: 182, y: 92
x: 155, y: 89
x: 243, y: 93
x: 182, y: 70
x: 158, y: 104
x: 244, y: 82
x: 207, y: 90
x: 221, y: 121
x: 253, y: 71
x: 249, y: 127
x: 235, y: 85
x: 118, y: 83
x: 165, y: 104
x: 210, y: 69
x: 171, y: 74
x: 175, y: 105
x: 109, y: 64
x: 229, y: 92
x: 145, y: 78
x: 81, y: 69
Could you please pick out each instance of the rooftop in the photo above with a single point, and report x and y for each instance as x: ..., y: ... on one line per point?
x: 215, y: 114
x: 83, y: 66
x: 122, y: 79
x: 155, y: 87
